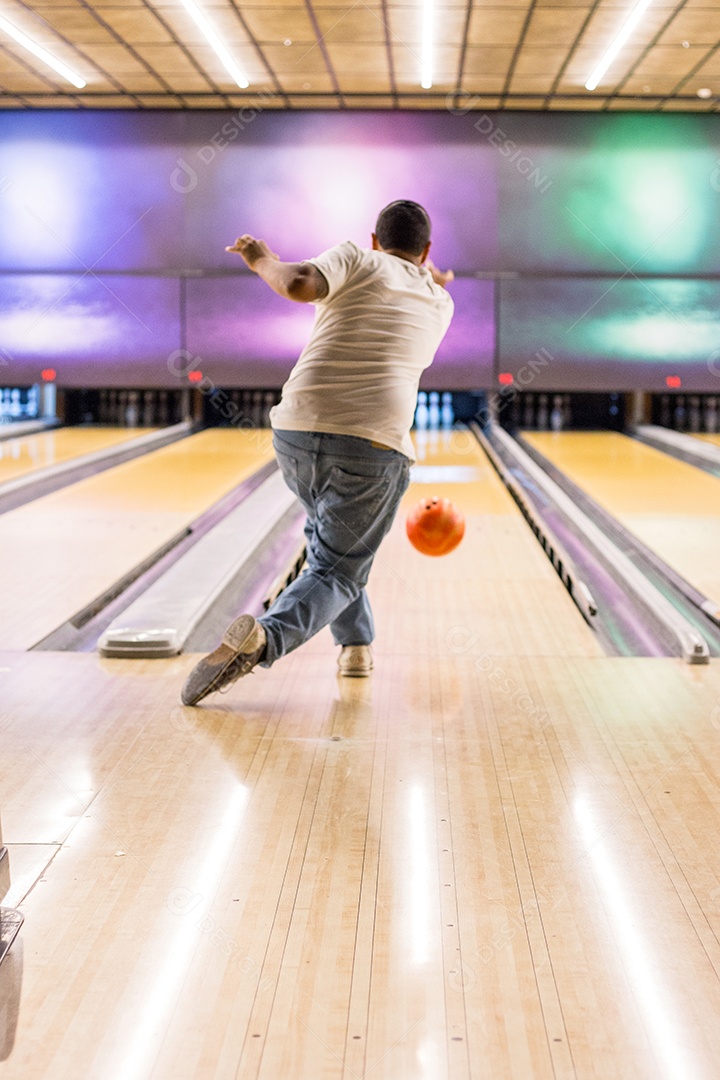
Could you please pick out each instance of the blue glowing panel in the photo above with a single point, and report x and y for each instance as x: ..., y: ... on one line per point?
x: 610, y: 335
x: 95, y: 331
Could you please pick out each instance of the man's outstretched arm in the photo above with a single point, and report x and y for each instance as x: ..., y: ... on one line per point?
x: 440, y: 277
x: 295, y: 281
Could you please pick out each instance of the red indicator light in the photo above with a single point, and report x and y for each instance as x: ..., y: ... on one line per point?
x: 674, y: 382
x: 195, y: 376
x: 48, y: 374
x: 505, y: 378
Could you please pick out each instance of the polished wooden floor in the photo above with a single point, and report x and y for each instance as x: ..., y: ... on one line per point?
x: 23, y: 455
x: 62, y: 551
x: 495, y: 858
x: 711, y: 438
x: 673, y: 507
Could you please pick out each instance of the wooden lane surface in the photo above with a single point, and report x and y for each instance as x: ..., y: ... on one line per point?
x: 63, y: 550
x: 443, y: 872
x: 674, y: 508
x: 714, y: 439
x: 497, y: 593
x: 25, y: 454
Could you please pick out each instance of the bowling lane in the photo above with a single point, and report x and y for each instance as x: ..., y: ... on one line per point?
x: 672, y: 507
x: 714, y: 440
x: 62, y: 551
x: 495, y: 595
x: 26, y: 453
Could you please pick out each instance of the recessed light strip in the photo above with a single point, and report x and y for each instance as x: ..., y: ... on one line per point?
x: 625, y: 31
x: 426, y: 79
x: 201, y: 20
x: 42, y: 54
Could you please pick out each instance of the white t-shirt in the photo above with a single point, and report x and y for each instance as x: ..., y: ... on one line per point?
x: 375, y: 332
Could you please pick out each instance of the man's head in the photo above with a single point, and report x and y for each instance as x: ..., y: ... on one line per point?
x: 403, y: 228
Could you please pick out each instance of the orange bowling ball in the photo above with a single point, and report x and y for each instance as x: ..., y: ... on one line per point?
x: 435, y: 526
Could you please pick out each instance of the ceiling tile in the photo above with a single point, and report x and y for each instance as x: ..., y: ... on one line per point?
x: 361, y: 24
x: 277, y: 24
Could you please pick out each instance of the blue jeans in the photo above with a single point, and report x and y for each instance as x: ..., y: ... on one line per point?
x: 350, y: 490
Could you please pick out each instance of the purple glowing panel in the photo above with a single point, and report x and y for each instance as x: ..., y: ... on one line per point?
x: 308, y: 181
x: 464, y: 360
x: 242, y: 333
x: 167, y: 190
x: 95, y: 331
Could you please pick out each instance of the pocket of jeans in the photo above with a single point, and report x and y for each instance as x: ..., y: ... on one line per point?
x: 359, y: 497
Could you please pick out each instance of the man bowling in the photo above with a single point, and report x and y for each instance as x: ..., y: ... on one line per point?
x: 341, y: 433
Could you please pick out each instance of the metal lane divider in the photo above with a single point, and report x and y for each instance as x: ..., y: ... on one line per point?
x: 16, y: 429
x: 41, y: 482
x: 684, y: 447
x: 692, y: 645
x: 160, y: 621
x: 562, y: 562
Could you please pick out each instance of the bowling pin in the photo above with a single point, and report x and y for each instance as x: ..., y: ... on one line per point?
x: 256, y: 414
x: 556, y: 416
x: 542, y: 413
x: 147, y: 414
x: 679, y: 414
x: 132, y: 413
x: 665, y: 410
x: 434, y: 411
x: 269, y: 402
x: 711, y: 415
x: 15, y: 406
x: 529, y: 411
x: 421, y: 412
x: 163, y: 408
x: 567, y: 411
x: 694, y: 413
x: 447, y: 415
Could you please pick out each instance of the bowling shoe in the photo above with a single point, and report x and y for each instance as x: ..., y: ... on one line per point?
x: 242, y: 647
x: 355, y: 661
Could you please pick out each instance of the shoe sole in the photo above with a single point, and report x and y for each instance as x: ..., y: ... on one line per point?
x: 218, y: 677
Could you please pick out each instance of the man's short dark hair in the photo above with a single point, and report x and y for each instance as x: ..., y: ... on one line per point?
x: 403, y: 226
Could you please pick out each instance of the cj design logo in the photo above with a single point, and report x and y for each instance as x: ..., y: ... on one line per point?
x: 713, y: 360
x: 183, y: 179
x: 715, y: 176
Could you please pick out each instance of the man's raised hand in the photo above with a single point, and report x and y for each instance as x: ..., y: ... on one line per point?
x: 252, y: 250
x: 440, y: 277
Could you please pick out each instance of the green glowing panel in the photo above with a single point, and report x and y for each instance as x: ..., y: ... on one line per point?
x: 619, y: 193
x: 563, y: 334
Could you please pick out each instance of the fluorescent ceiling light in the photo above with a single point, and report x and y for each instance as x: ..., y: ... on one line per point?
x: 200, y: 19
x: 427, y: 45
x: 42, y: 54
x: 625, y: 31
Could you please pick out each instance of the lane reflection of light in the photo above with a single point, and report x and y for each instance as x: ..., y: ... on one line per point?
x: 643, y: 969
x: 141, y: 1038
x: 419, y: 888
